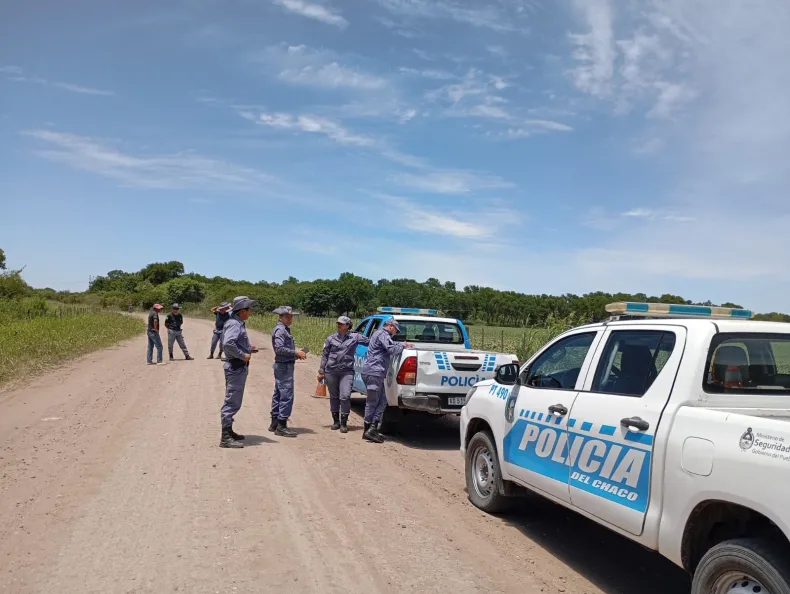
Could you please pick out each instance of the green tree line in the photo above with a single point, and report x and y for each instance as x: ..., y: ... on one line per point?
x: 167, y: 282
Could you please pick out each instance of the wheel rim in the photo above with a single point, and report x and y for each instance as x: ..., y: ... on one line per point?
x: 734, y: 582
x: 483, y: 471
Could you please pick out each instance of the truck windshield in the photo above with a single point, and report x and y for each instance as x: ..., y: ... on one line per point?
x: 748, y: 363
x: 429, y: 331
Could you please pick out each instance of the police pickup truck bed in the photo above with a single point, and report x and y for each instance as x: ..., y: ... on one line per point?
x: 434, y: 375
x: 673, y: 432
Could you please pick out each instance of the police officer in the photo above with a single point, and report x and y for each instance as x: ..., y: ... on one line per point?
x: 221, y: 315
x: 337, y: 368
x: 154, y: 339
x: 238, y: 351
x: 285, y: 356
x: 380, y: 351
x: 173, y: 322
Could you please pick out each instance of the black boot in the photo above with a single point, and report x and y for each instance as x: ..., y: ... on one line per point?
x: 234, y: 435
x: 188, y: 358
x: 343, y: 423
x: 336, y: 424
x: 282, y: 429
x: 370, y: 434
x: 211, y: 356
x: 172, y: 358
x: 227, y: 440
x: 273, y: 425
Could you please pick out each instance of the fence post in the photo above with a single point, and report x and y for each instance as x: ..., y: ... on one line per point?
x: 483, y: 339
x: 502, y: 341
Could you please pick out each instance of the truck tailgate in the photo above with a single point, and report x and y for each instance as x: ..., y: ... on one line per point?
x: 452, y: 373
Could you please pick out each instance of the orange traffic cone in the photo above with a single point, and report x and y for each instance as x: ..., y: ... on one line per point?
x: 320, y: 390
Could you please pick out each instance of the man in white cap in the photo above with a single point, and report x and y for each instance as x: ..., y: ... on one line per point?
x: 285, y: 356
x: 154, y: 340
x: 221, y: 315
x: 337, y: 368
x: 380, y: 352
x: 237, y: 351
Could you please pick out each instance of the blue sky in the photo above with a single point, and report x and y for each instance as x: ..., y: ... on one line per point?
x: 546, y: 147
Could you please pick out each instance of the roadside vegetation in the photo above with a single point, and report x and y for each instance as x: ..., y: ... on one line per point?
x: 36, y: 333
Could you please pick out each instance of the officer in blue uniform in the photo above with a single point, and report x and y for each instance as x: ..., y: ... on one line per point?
x: 285, y: 356
x: 238, y: 351
x: 221, y: 315
x: 380, y: 352
x: 337, y: 369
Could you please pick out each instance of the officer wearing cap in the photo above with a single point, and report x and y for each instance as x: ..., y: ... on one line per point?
x: 154, y: 340
x: 173, y: 322
x: 285, y: 356
x: 380, y: 352
x: 238, y: 351
x: 337, y: 368
x: 221, y: 315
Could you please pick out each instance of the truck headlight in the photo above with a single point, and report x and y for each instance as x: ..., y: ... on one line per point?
x: 469, y: 395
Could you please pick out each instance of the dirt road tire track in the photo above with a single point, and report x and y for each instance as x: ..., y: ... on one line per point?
x: 112, y: 481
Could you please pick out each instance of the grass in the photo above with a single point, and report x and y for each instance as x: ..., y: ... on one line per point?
x: 28, y: 346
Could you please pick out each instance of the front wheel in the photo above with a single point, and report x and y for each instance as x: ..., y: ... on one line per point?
x: 483, y: 476
x: 741, y: 566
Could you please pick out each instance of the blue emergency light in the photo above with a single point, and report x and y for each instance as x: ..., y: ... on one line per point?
x: 408, y: 310
x: 626, y: 308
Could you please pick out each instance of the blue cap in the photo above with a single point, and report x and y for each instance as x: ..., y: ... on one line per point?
x: 392, y: 321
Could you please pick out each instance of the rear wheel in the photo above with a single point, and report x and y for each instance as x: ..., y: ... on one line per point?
x: 483, y: 475
x: 741, y: 566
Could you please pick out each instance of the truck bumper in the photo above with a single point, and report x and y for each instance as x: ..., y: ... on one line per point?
x: 429, y: 403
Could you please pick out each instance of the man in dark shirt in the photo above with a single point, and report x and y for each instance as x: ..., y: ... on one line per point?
x: 173, y: 322
x: 153, y: 335
x: 221, y: 315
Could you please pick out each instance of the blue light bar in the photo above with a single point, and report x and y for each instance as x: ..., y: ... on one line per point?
x: 409, y: 310
x: 623, y: 308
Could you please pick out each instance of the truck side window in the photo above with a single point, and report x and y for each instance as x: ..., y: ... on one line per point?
x: 373, y: 327
x: 748, y: 363
x: 558, y: 367
x: 632, y: 361
x: 361, y: 327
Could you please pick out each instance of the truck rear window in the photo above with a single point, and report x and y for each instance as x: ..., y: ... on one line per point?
x: 425, y: 331
x: 748, y: 363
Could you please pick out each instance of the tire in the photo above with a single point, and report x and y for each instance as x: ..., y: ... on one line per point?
x: 743, y: 565
x: 483, y: 477
x: 390, y: 419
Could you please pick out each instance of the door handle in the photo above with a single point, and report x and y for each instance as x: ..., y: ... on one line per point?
x: 636, y: 423
x: 558, y: 409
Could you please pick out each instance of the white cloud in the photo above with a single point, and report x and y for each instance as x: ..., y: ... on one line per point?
x: 452, y: 181
x: 313, y: 11
x: 312, y: 124
x: 178, y: 171
x: 437, y: 222
x: 17, y: 74
x: 300, y: 65
x: 497, y: 50
x: 594, y: 49
x: 501, y: 18
x: 427, y: 73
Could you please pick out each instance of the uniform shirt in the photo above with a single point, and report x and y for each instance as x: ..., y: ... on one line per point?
x: 381, y: 350
x: 220, y: 317
x: 235, y: 341
x: 174, y: 321
x: 152, y: 316
x: 339, y: 352
x: 283, y: 344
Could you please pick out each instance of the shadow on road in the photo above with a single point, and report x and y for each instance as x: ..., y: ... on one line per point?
x: 613, y: 563
x: 255, y: 440
x: 421, y: 431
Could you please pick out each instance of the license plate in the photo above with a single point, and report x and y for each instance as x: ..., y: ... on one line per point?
x: 456, y: 401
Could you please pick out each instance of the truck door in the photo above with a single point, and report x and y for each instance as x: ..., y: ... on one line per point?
x: 615, y: 417
x: 367, y: 327
x: 535, y: 445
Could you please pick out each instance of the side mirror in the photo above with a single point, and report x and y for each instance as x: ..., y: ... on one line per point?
x: 507, y: 374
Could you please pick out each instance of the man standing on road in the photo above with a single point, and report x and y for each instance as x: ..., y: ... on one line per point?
x: 221, y: 315
x: 153, y: 335
x: 337, y: 368
x: 173, y: 322
x: 238, y: 351
x: 285, y: 356
x: 380, y: 352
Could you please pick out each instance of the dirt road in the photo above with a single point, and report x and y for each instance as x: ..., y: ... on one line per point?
x: 111, y: 481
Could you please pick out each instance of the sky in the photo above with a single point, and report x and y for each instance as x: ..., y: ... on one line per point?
x: 561, y: 146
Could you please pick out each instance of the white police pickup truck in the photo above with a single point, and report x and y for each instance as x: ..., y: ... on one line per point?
x: 435, y: 374
x: 673, y: 432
